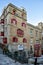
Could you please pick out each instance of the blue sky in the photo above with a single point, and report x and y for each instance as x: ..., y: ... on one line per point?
x: 34, y: 9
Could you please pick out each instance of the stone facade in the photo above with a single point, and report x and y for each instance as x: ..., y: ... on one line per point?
x: 16, y: 29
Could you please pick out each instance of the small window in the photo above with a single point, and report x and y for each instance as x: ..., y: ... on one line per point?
x: 31, y: 41
x: 13, y: 21
x: 2, y: 21
x: 36, y: 33
x: 5, y: 21
x: 31, y: 32
x: 15, y: 39
x: 2, y: 33
x: 23, y: 24
x: 24, y: 40
x: 4, y: 40
x: 22, y: 14
x: 13, y: 11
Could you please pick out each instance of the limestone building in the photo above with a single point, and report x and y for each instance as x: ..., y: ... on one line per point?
x: 15, y: 32
x: 14, y: 24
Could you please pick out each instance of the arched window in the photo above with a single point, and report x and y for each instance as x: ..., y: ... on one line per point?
x: 14, y: 21
x: 20, y: 32
x: 5, y: 40
x: 24, y: 40
x: 23, y: 24
x: 15, y: 39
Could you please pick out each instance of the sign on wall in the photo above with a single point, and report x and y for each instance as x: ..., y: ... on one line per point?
x: 20, y: 47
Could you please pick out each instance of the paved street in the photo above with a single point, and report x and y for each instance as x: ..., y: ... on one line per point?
x: 4, y: 60
x: 39, y: 60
